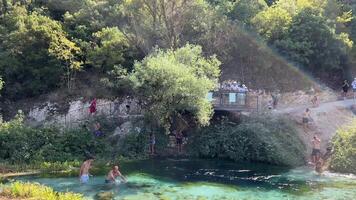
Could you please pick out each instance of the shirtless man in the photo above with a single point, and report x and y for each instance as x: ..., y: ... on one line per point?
x: 316, y: 149
x: 113, y: 173
x: 84, y: 170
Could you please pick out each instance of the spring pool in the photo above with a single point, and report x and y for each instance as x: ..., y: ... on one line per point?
x: 206, y: 179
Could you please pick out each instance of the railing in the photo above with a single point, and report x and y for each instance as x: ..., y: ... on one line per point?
x: 234, y: 101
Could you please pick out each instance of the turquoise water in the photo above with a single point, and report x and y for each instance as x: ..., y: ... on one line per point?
x: 201, y: 179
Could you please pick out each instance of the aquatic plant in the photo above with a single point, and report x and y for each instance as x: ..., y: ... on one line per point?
x: 36, y: 191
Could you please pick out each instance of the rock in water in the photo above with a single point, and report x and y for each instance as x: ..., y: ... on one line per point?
x: 104, y: 196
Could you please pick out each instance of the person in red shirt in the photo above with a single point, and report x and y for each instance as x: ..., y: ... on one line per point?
x: 92, y: 107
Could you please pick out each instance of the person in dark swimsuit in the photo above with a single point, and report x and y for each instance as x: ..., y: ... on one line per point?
x: 152, y: 143
x: 345, y: 88
x: 179, y: 140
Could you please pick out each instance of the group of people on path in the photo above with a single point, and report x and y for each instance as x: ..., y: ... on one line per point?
x: 233, y: 86
x: 111, y: 177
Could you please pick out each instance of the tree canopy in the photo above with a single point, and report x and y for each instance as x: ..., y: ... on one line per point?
x: 175, y: 81
x: 67, y: 39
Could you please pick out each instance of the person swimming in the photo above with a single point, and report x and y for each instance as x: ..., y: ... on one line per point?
x: 84, y: 170
x: 113, y: 174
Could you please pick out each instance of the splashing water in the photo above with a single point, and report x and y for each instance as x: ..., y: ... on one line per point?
x: 198, y: 179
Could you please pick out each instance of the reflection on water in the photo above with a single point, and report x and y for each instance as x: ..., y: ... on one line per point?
x: 184, y: 179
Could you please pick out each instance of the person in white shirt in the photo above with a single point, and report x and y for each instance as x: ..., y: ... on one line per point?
x: 353, y: 84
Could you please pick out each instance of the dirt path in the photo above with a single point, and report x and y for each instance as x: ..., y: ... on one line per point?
x: 326, y: 119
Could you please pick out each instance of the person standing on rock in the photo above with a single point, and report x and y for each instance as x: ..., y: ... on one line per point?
x: 316, y: 142
x: 152, y: 143
x: 179, y: 141
x: 305, y: 119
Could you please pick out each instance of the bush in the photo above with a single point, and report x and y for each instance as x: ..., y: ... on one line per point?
x: 267, y: 140
x: 23, y: 144
x: 344, y: 156
x: 136, y: 145
x: 37, y: 191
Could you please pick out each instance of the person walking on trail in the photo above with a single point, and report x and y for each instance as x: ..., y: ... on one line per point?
x: 345, y: 88
x: 306, y: 118
x: 152, y: 143
x: 353, y: 84
x: 113, y: 174
x: 274, y: 96
x: 84, y: 170
x: 92, y: 107
x: 315, y: 101
x: 316, y: 153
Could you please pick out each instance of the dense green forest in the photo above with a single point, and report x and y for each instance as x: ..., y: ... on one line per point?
x: 50, y: 44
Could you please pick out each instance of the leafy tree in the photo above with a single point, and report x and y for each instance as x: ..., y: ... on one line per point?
x: 172, y: 82
x: 167, y: 24
x: 245, y: 10
x: 110, y: 48
x: 272, y: 23
x: 312, y: 43
x: 34, y: 53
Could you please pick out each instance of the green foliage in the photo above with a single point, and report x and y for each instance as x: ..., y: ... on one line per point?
x: 110, y: 49
x: 272, y: 23
x: 313, y: 44
x: 245, y: 10
x: 267, y: 140
x: 36, y: 191
x: 135, y: 145
x: 344, y: 143
x: 172, y: 81
x: 20, y: 143
x: 32, y: 47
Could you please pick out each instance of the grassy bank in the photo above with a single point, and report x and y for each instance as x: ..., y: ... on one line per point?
x: 19, y: 190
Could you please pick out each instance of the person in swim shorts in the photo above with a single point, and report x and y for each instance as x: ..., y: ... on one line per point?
x: 84, y: 170
x: 113, y: 174
x: 316, y: 149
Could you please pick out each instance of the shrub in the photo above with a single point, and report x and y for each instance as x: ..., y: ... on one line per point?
x: 23, y: 144
x: 269, y: 140
x: 135, y: 145
x: 36, y: 191
x: 344, y: 157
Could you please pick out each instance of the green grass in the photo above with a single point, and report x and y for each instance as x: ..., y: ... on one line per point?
x: 36, y: 191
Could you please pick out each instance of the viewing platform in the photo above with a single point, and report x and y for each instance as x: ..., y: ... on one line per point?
x: 228, y: 100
